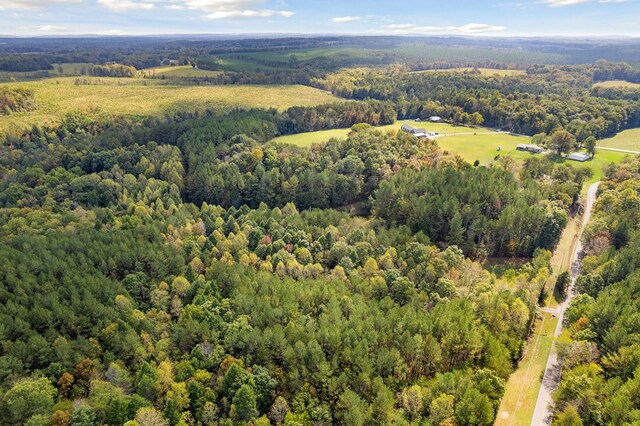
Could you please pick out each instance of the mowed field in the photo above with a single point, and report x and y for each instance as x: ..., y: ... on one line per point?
x: 178, y: 71
x: 305, y: 140
x: 483, y: 71
x: 618, y: 84
x: 521, y: 392
x: 460, y: 140
x: 140, y: 98
x: 628, y: 140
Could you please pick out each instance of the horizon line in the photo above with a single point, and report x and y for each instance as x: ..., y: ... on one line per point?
x: 320, y: 34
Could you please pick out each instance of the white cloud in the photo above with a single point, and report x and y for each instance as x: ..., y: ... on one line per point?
x: 345, y: 19
x: 31, y: 4
x: 562, y: 3
x: 472, y: 28
x: 511, y: 5
x: 240, y: 14
x: 227, y: 9
x: 125, y: 5
x: 51, y: 28
x: 400, y: 26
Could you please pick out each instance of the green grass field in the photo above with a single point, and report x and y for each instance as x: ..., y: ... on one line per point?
x: 460, y: 140
x: 305, y: 140
x: 597, y: 164
x: 484, y: 147
x: 68, y: 69
x: 228, y: 63
x: 139, y: 98
x: 178, y: 71
x: 483, y: 71
x: 618, y: 84
x: 521, y: 392
x: 628, y: 139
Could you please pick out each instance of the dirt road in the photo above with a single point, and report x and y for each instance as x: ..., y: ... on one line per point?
x: 543, y: 412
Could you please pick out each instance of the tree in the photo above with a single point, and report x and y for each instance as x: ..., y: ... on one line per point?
x: 38, y: 420
x: 590, y: 284
x: 279, y: 410
x: 64, y: 384
x: 456, y: 231
x: 411, y: 401
x: 149, y: 416
x: 29, y: 397
x: 244, y: 405
x: 562, y: 141
x: 118, y: 376
x: 474, y: 408
x: 84, y: 416
x: 370, y: 268
x: 590, y: 144
x: 352, y: 410
x: 60, y: 418
x: 382, y: 405
x: 568, y: 417
x: 441, y: 409
x: 477, y: 119
x: 562, y: 283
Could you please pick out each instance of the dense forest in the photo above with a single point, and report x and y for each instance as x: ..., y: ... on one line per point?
x: 483, y: 211
x: 124, y: 301
x: 600, y: 368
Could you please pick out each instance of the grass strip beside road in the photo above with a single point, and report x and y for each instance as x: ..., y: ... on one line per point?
x: 521, y: 393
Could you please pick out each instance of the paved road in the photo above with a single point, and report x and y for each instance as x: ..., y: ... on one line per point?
x: 626, y: 151
x: 543, y: 413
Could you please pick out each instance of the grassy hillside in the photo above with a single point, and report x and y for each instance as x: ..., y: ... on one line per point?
x: 629, y: 140
x: 481, y: 146
x: 137, y: 97
x: 178, y: 72
x: 307, y: 139
x: 618, y: 84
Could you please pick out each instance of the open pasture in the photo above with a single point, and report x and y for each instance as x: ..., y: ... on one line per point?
x: 178, y: 71
x: 627, y: 140
x: 618, y: 84
x: 140, y: 98
x: 305, y: 140
x: 473, y: 144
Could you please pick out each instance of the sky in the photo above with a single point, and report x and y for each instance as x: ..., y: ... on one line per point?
x: 363, y: 17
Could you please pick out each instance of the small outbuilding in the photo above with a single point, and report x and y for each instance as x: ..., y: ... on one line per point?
x: 419, y: 133
x: 579, y: 156
x: 535, y: 149
x: 435, y: 119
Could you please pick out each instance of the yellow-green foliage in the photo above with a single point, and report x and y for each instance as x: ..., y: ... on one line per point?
x: 483, y: 71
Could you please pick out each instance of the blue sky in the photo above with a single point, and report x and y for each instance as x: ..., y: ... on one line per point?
x: 400, y: 17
